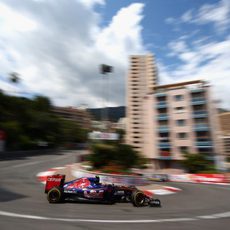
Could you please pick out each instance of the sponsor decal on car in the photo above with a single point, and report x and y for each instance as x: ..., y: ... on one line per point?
x: 94, y: 193
x: 54, y: 179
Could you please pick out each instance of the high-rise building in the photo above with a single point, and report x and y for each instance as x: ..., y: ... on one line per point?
x: 81, y: 116
x: 182, y: 119
x: 225, y: 132
x: 142, y: 78
x: 225, y: 123
x: 164, y: 122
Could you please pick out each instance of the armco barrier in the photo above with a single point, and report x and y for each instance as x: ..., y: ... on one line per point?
x: 199, y: 178
x: 111, y: 178
x: 179, y: 177
x: 210, y: 178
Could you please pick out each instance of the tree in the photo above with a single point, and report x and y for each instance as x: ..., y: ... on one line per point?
x: 121, y: 134
x: 28, y: 121
x: 102, y: 155
x: 72, y: 132
x: 195, y: 163
x: 42, y: 103
x: 120, y: 155
x: 126, y: 156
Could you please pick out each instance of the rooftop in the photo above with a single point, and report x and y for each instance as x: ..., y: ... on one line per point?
x: 181, y: 84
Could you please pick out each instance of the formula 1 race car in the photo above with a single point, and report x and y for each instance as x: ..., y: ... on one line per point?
x: 90, y: 189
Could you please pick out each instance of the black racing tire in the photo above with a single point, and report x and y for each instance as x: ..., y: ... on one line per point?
x: 138, y: 198
x: 55, y: 195
x: 155, y: 203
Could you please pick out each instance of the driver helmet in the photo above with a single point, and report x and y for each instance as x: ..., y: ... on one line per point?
x: 97, y: 179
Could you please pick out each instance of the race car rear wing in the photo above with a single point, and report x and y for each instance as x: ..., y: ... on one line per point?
x: 54, y: 181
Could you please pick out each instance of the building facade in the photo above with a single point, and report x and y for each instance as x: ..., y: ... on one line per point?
x: 225, y: 132
x: 80, y: 116
x: 142, y: 77
x: 225, y: 123
x: 184, y: 120
x: 164, y: 122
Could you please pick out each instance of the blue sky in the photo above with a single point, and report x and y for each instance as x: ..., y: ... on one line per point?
x: 56, y: 46
x: 163, y: 23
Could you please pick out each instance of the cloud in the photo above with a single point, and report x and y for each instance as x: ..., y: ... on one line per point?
x: 57, y: 47
x: 202, y: 56
x: 170, y: 20
x: 218, y: 14
x: 92, y: 3
x: 187, y: 16
x: 177, y: 46
x: 206, y: 60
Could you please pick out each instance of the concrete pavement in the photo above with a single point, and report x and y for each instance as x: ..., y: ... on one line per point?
x: 23, y: 204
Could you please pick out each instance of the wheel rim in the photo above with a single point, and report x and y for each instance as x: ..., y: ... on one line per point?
x: 140, y: 199
x: 54, y: 196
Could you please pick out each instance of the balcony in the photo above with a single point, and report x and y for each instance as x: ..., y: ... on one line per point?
x: 198, y: 101
x: 162, y: 94
x: 161, y: 105
x: 165, y: 155
x: 204, y: 144
x: 163, y: 129
x: 200, y: 114
x: 201, y: 127
x: 197, y: 90
x: 162, y: 117
x: 164, y: 145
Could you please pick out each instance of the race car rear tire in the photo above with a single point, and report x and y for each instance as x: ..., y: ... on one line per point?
x: 138, y: 199
x: 55, y: 195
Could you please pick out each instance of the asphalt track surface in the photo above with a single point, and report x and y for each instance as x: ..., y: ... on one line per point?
x: 23, y: 204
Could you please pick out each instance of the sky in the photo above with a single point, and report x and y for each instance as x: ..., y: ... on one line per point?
x: 57, y: 46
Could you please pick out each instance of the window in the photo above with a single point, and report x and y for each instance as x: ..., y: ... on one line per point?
x: 182, y: 135
x: 180, y: 122
x: 183, y: 149
x: 178, y: 97
x: 179, y: 109
x: 136, y: 142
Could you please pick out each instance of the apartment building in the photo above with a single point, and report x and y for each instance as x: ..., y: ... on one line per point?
x: 78, y: 115
x: 225, y: 123
x: 182, y: 118
x: 142, y: 77
x: 225, y: 132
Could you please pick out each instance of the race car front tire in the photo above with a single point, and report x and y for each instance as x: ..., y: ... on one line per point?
x: 155, y: 203
x: 138, y: 198
x: 55, y: 195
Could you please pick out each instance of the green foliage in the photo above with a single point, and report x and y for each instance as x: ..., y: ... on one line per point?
x: 72, y: 132
x: 121, y: 134
x: 27, y: 122
x: 102, y: 155
x: 195, y: 163
x: 228, y: 159
x: 120, y: 155
x: 126, y: 156
x: 142, y: 163
x: 42, y: 103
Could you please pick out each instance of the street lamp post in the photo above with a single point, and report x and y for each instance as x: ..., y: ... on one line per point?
x: 105, y: 69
